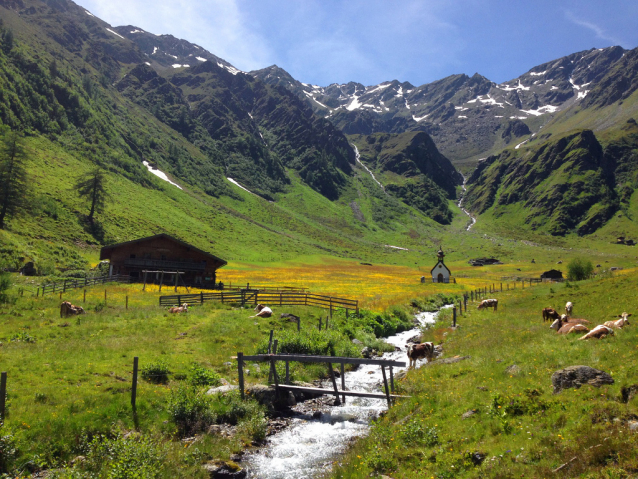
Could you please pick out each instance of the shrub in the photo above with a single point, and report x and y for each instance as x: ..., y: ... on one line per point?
x: 231, y: 409
x: 312, y: 341
x: 156, y: 372
x: 191, y: 410
x: 121, y: 457
x: 201, y: 376
x: 579, y: 269
x: 7, y: 452
x: 22, y: 337
x: 416, y: 433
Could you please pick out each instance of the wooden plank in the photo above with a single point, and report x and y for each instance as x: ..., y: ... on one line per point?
x: 360, y: 394
x: 324, y: 359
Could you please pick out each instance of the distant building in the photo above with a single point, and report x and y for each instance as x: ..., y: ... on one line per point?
x: 440, y: 272
x: 162, y: 256
x: 552, y: 274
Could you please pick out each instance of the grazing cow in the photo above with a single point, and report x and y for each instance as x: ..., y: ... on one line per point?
x: 67, y: 309
x: 562, y: 326
x: 488, y: 303
x: 550, y: 313
x: 420, y: 351
x: 262, y: 311
x: 619, y: 323
x: 569, y: 307
x: 179, y: 309
x: 599, y: 332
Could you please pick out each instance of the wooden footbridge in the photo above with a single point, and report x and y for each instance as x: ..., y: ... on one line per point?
x: 329, y: 361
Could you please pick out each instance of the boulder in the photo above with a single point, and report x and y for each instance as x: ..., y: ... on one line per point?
x: 290, y: 317
x: 356, y: 341
x: 576, y: 376
x: 226, y: 388
x: 469, y: 413
x: 225, y: 470
x: 366, y: 352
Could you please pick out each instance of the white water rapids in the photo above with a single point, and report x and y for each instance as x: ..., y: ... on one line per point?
x: 460, y: 205
x: 307, y: 448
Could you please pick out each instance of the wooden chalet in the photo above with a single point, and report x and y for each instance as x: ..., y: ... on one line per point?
x: 552, y: 274
x: 160, y: 258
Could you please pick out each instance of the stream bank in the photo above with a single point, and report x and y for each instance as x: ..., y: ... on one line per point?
x: 319, y: 433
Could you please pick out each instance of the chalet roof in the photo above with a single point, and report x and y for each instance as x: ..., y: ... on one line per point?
x: 552, y: 273
x: 161, y: 235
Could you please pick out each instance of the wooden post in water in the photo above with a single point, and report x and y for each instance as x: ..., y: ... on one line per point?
x: 240, y: 372
x: 385, y: 384
x: 3, y: 395
x: 287, y: 372
x: 334, y: 384
x: 343, y: 383
x: 273, y: 368
x: 134, y: 385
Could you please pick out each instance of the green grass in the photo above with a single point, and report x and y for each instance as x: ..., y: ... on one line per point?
x: 521, y: 427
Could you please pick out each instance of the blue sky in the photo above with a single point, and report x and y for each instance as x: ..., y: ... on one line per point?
x: 370, y: 41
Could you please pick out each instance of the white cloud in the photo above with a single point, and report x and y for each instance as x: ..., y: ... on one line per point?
x: 217, y: 25
x: 597, y: 30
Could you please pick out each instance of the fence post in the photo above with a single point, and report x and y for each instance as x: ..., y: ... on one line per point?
x: 326, y: 323
x: 501, y: 287
x: 104, y: 296
x: 134, y: 388
x: 37, y: 293
x: 454, y: 317
x: 287, y: 372
x: 465, y: 301
x: 64, y: 286
x: 320, y: 318
x: 240, y: 373
x: 299, y: 324
x: 127, y: 301
x: 3, y: 395
x: 179, y: 300
x: 343, y: 384
x: 201, y: 296
x: 330, y: 310
x: 280, y: 298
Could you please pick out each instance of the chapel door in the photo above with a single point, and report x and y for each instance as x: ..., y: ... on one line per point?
x: 439, y: 278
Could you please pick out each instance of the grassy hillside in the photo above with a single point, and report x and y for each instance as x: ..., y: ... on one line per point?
x: 520, y: 428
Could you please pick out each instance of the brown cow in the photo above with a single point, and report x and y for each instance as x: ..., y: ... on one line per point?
x: 562, y: 326
x: 262, y: 311
x: 420, y: 351
x: 550, y: 313
x: 488, y: 303
x: 599, y: 332
x: 619, y: 323
x: 67, y: 309
x: 179, y: 309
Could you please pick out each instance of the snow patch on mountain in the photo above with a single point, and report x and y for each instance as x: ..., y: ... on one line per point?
x: 378, y: 88
x: 137, y: 31
x: 542, y: 110
x: 159, y: 174
x: 520, y: 144
x: 419, y: 118
x: 354, y: 104
x: 399, y: 91
x: 537, y: 74
x: 237, y: 184
x: 88, y: 13
x: 115, y: 33
x: 201, y: 59
x: 155, y: 50
x: 582, y: 94
x: 177, y: 65
x: 520, y: 86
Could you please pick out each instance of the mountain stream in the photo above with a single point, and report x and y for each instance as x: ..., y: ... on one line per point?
x: 460, y: 205
x: 358, y: 157
x: 307, y: 448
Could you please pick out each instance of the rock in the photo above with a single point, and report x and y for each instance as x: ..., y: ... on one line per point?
x: 356, y: 341
x: 237, y: 457
x: 469, y: 413
x: 415, y: 339
x: 225, y: 470
x: 78, y: 460
x: 401, y: 374
x: 222, y: 389
x: 628, y: 392
x: 228, y: 364
x: 633, y: 425
x: 268, y: 396
x: 482, y: 388
x: 290, y: 317
x: 478, y: 458
x: 513, y: 370
x: 224, y: 382
x: 576, y: 376
x: 366, y: 352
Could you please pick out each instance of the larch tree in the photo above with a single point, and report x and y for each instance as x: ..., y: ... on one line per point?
x: 92, y: 186
x: 13, y: 175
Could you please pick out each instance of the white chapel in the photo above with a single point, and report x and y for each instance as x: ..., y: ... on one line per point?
x: 440, y: 272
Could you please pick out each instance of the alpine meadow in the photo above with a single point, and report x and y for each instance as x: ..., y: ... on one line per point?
x: 214, y: 273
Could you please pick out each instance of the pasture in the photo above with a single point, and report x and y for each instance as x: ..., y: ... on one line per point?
x: 516, y: 426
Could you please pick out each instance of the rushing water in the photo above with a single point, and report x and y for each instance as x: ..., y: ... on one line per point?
x: 358, y: 158
x: 460, y: 205
x: 309, y: 446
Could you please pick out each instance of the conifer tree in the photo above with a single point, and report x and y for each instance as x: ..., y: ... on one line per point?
x: 13, y: 175
x: 92, y: 186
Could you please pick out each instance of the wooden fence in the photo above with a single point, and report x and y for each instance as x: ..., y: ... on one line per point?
x: 254, y: 296
x: 82, y: 283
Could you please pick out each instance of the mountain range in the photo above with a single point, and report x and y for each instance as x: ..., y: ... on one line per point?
x: 384, y: 161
